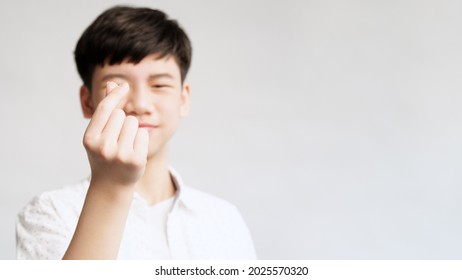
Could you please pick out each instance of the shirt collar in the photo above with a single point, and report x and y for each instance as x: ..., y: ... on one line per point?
x: 183, y: 193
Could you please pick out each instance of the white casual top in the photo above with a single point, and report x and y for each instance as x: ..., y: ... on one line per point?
x: 157, y: 217
x: 198, y: 226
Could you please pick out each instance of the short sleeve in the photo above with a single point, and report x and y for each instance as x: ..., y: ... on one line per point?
x: 41, y: 233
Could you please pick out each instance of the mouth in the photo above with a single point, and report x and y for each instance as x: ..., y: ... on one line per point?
x: 148, y: 127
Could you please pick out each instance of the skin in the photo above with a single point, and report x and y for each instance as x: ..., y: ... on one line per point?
x: 134, y: 111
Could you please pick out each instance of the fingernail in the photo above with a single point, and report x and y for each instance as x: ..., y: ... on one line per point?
x: 111, y: 84
x: 124, y: 85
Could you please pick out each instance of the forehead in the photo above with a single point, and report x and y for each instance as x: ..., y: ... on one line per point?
x: 149, y: 66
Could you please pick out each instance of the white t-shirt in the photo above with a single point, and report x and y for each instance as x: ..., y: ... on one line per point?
x: 191, y: 225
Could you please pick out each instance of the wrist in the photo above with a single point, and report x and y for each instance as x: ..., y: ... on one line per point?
x: 111, y: 191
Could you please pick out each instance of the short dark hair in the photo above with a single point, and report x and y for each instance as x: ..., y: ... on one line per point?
x: 128, y: 33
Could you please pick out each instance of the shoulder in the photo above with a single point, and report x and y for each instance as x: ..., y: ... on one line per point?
x: 68, y: 197
x: 210, y: 206
x: 46, y: 224
x: 199, y: 201
x: 62, y: 206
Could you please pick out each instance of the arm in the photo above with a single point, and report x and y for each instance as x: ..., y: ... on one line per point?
x: 117, y: 151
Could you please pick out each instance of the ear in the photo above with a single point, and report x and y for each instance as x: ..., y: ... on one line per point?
x: 185, y: 100
x: 86, y: 102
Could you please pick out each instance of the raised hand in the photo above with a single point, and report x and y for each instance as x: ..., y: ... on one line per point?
x: 117, y: 148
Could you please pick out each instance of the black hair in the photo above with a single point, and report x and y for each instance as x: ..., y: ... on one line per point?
x: 130, y: 34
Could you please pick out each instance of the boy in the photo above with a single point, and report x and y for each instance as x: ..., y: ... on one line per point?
x: 133, y: 63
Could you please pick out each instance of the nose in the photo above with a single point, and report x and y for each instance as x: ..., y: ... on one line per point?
x: 138, y: 102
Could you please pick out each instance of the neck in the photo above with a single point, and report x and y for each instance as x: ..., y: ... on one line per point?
x: 156, y: 184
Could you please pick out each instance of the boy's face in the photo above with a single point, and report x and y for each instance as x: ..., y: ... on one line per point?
x: 157, y: 97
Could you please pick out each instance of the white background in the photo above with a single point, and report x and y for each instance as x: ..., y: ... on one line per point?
x: 334, y: 126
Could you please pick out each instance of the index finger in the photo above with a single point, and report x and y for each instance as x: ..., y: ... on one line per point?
x: 106, y: 106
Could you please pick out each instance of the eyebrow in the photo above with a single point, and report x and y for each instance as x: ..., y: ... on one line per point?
x: 161, y: 75
x: 151, y: 77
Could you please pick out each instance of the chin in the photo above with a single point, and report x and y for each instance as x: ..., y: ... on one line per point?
x: 156, y: 150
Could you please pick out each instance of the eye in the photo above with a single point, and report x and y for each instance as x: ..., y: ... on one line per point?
x: 158, y: 86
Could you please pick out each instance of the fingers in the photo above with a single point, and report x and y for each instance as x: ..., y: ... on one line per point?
x: 117, y: 148
x: 110, y: 86
x: 133, y: 142
x: 115, y: 95
x: 122, y: 140
x: 128, y: 134
x: 141, y: 144
x: 111, y: 131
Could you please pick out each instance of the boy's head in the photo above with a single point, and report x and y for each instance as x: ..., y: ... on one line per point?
x: 130, y: 34
x: 144, y: 49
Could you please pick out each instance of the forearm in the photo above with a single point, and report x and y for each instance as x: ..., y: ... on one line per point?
x: 117, y: 151
x: 101, y: 224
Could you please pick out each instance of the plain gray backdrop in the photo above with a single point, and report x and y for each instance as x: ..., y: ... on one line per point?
x: 334, y: 126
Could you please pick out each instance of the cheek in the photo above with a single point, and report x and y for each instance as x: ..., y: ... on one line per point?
x: 169, y: 108
x: 171, y: 120
x: 169, y: 114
